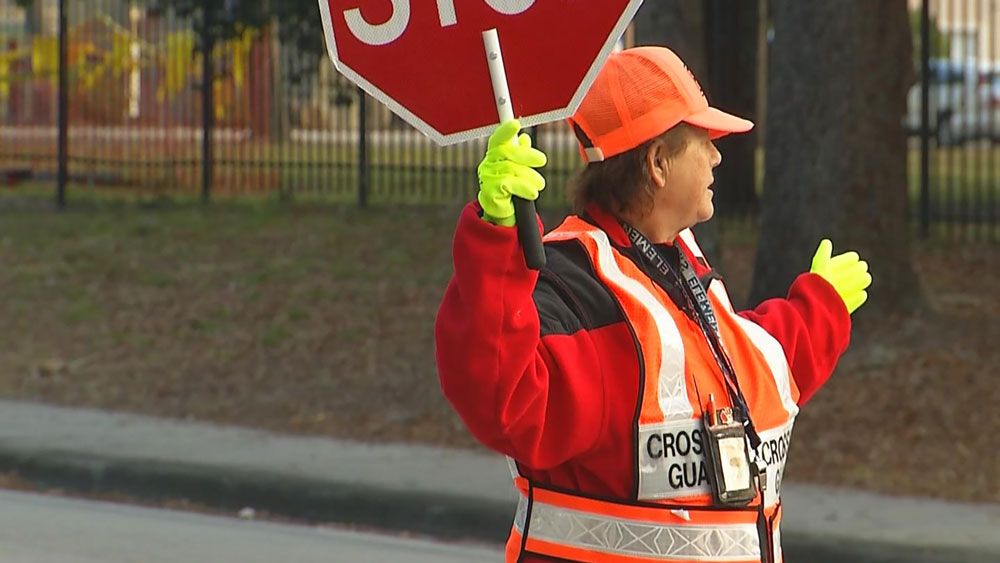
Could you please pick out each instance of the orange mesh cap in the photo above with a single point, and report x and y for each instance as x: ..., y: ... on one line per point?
x: 641, y: 93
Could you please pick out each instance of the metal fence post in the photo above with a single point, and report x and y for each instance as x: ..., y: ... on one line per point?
x: 207, y: 103
x: 62, y: 175
x: 925, y: 115
x: 362, y: 149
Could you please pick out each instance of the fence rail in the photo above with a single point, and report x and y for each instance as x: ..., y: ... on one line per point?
x: 283, y: 121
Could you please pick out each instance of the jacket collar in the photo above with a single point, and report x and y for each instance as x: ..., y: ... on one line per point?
x: 607, y: 223
x: 613, y: 227
x: 610, y: 225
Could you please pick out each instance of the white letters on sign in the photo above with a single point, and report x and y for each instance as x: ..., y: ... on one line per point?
x: 383, y: 33
x: 510, y: 7
x: 392, y: 29
x: 446, y: 12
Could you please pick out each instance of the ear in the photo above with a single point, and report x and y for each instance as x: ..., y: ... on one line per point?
x: 658, y: 164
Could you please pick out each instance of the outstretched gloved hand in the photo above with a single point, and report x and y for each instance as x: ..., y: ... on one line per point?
x: 846, y: 272
x: 508, y: 170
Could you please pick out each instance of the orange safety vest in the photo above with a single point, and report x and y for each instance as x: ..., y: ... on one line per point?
x: 673, y: 517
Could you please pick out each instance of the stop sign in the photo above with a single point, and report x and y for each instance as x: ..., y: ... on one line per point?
x: 425, y: 60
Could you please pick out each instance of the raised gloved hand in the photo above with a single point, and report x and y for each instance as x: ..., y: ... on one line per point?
x: 508, y: 170
x: 846, y: 272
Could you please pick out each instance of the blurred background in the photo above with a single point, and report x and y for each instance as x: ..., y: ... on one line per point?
x: 200, y: 219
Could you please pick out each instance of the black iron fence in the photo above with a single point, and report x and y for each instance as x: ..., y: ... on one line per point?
x: 280, y: 120
x: 954, y: 117
x: 145, y: 114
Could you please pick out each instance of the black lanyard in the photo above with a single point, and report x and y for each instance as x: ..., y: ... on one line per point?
x: 696, y: 304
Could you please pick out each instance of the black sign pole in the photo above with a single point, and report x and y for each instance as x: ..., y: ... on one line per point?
x: 524, y: 210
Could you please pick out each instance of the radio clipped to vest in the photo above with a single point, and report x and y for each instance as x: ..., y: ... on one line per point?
x: 733, y: 474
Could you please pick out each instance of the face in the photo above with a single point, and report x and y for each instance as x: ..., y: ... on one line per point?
x: 684, y: 196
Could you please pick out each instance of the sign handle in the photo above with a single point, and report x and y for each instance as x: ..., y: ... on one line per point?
x: 524, y: 210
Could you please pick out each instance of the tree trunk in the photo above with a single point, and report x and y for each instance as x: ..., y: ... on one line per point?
x: 732, y: 35
x: 836, y: 152
x: 679, y: 25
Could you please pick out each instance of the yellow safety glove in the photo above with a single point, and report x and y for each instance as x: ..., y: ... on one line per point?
x: 508, y: 170
x: 846, y: 272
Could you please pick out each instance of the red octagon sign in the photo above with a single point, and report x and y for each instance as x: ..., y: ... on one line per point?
x: 428, y: 64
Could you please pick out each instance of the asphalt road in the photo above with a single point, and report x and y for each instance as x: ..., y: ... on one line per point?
x: 49, y: 529
x: 42, y: 529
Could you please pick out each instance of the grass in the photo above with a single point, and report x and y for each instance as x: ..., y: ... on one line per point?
x: 182, y: 310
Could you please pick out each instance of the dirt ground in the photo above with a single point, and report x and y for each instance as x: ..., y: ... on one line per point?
x: 317, y: 320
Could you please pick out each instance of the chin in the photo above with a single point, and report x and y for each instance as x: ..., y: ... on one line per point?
x: 706, y: 213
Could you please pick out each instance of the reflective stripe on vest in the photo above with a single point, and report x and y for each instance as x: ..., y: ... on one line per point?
x: 568, y: 527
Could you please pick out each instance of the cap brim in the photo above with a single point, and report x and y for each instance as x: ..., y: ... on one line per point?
x: 719, y: 123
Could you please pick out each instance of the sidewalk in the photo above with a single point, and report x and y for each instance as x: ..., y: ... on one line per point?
x: 443, y: 493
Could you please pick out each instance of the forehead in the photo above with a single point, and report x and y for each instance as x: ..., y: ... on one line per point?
x: 691, y: 137
x: 684, y: 133
x: 696, y: 146
x: 699, y: 134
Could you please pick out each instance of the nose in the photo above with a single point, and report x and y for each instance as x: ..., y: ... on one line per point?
x: 715, y: 155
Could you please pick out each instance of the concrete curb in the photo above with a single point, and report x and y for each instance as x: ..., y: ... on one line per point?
x: 436, y: 515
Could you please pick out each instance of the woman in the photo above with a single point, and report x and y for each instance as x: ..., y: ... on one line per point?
x: 644, y: 418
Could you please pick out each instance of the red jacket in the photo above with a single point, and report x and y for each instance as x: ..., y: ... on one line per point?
x: 542, y: 367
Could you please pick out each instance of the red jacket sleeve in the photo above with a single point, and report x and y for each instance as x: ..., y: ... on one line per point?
x: 813, y: 327
x: 537, y: 400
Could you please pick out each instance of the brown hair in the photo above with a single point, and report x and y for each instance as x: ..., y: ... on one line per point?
x: 621, y: 184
